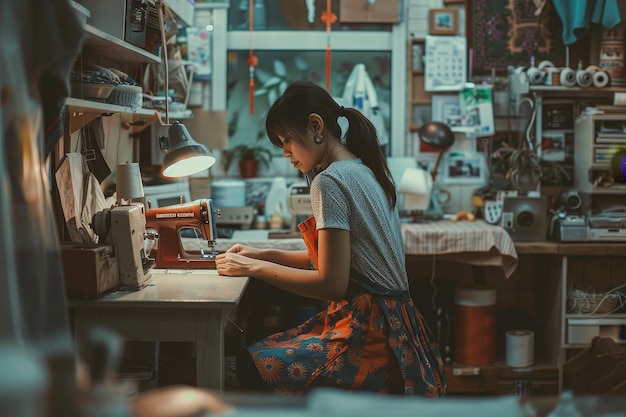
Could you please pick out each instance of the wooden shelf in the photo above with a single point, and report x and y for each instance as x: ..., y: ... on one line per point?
x: 84, y: 111
x: 81, y: 112
x: 108, y: 46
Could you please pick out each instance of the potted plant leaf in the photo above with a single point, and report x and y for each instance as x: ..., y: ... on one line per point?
x: 521, y: 169
x: 250, y: 156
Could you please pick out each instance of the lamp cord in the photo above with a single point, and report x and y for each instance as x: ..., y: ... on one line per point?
x: 166, y: 64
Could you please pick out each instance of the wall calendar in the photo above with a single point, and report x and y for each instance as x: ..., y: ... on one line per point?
x: 445, y: 63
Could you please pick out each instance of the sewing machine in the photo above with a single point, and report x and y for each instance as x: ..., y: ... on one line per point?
x: 170, y: 221
x: 125, y: 227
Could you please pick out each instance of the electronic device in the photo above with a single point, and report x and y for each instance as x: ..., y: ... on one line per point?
x: 125, y: 227
x: 166, y: 194
x: 170, y: 221
x: 124, y: 19
x: 525, y: 218
x: 298, y: 202
x: 235, y: 217
x: 608, y: 226
x: 570, y: 228
x: 571, y: 201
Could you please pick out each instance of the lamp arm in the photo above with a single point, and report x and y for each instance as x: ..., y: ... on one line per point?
x: 433, y: 173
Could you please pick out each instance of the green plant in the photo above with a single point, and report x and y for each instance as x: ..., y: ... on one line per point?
x: 246, y: 151
x: 522, y: 169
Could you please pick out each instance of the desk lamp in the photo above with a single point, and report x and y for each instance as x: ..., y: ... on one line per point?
x: 440, y: 136
x: 183, y: 155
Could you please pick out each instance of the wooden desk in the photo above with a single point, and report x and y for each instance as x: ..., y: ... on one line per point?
x: 177, y: 306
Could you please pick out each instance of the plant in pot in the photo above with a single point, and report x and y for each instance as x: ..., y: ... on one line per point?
x: 250, y: 156
x: 521, y: 169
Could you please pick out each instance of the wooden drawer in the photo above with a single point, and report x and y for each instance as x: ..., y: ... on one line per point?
x: 468, y: 380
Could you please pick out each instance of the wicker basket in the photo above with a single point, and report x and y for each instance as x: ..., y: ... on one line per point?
x: 127, y: 95
x: 584, y: 302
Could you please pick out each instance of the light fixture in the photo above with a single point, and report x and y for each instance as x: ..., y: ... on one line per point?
x: 440, y: 136
x: 183, y: 155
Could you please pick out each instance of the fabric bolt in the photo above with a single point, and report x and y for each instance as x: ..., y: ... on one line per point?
x: 485, y: 244
x: 578, y: 15
x: 372, y: 340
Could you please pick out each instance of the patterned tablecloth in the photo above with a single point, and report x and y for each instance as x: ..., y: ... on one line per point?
x: 475, y: 243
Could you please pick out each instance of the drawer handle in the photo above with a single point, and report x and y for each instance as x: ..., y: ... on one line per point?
x: 469, y: 371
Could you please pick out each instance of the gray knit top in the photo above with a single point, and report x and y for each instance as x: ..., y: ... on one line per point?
x: 347, y: 196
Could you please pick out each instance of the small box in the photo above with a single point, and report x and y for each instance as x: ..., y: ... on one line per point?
x: 582, y: 331
x: 89, y: 270
x: 363, y: 11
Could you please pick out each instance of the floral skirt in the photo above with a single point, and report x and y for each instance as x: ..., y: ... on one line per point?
x: 368, y: 342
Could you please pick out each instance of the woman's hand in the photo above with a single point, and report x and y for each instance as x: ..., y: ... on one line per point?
x: 244, y: 250
x: 234, y: 264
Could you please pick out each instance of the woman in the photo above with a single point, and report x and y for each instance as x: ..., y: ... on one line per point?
x: 371, y: 336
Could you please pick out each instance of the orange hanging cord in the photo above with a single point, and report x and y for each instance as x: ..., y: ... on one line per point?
x: 252, y: 59
x: 329, y: 18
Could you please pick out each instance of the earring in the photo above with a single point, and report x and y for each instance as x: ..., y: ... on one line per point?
x: 318, y: 139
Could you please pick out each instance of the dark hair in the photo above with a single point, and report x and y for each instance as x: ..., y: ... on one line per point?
x: 290, y: 113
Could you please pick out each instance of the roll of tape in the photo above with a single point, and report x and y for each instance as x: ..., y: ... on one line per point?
x: 593, y: 68
x: 568, y: 77
x: 600, y: 79
x: 535, y: 76
x: 520, y: 348
x: 584, y: 78
x: 545, y: 64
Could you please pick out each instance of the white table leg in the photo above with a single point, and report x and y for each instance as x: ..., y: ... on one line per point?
x: 210, y: 325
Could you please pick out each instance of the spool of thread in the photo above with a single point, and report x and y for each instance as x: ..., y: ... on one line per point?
x: 535, y: 76
x: 553, y: 76
x: 474, y: 340
x: 520, y: 348
x: 584, y: 78
x: 600, y: 79
x: 568, y: 77
x: 129, y: 184
x: 545, y: 64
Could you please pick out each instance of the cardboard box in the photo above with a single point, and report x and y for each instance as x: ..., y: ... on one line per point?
x: 362, y: 11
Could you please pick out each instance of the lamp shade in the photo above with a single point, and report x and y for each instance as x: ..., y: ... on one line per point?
x: 436, y: 134
x: 183, y: 155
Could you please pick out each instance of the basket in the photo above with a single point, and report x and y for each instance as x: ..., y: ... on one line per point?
x: 127, y: 95
x: 584, y: 302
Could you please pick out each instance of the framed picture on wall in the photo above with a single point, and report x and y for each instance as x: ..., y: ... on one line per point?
x: 464, y: 168
x: 443, y: 22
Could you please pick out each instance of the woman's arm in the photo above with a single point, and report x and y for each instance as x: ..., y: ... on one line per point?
x: 329, y: 282
x: 292, y: 258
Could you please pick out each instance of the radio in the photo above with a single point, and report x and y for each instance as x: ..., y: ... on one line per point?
x: 524, y: 218
x: 570, y: 228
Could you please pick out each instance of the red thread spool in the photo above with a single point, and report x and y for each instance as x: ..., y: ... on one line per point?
x: 474, y: 325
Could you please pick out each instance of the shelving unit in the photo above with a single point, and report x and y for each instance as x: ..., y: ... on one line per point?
x: 418, y: 96
x: 598, y: 266
x: 592, y: 153
x: 108, y: 46
x: 579, y: 327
